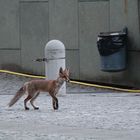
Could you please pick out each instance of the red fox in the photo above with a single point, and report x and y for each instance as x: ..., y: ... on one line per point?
x: 34, y: 87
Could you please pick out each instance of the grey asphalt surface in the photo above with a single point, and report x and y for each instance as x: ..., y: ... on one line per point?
x: 84, y: 113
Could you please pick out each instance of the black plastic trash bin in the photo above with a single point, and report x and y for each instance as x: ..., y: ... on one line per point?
x: 112, y: 49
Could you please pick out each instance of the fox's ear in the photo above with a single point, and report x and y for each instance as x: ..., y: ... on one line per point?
x: 61, y: 70
x: 68, y: 71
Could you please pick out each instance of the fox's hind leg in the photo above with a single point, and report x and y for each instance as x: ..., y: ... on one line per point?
x: 33, y: 99
x: 25, y: 102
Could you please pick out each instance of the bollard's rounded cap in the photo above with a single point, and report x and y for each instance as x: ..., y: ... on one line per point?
x: 54, y: 50
x: 54, y: 45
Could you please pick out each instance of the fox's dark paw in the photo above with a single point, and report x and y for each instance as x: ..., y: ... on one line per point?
x: 27, y: 108
x: 55, y: 108
x: 36, y: 108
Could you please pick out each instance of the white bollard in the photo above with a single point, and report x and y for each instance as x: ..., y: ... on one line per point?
x: 55, y: 55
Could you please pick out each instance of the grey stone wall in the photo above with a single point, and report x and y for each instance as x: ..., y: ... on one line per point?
x: 27, y: 25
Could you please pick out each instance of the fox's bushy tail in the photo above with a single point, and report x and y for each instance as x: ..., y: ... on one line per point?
x: 17, y: 96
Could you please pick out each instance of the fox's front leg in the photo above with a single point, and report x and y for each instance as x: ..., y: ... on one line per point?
x: 54, y: 101
x: 55, y: 104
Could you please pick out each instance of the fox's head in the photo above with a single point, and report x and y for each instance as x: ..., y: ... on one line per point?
x: 64, y: 74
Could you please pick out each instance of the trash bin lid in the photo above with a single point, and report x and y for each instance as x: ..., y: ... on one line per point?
x: 110, y: 34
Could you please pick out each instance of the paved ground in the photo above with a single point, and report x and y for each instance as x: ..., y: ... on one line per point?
x: 84, y: 114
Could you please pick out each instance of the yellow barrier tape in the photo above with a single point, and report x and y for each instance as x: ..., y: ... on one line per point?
x: 106, y: 87
x: 21, y: 74
x: 74, y: 82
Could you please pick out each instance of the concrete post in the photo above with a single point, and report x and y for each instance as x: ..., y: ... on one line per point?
x: 55, y: 58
